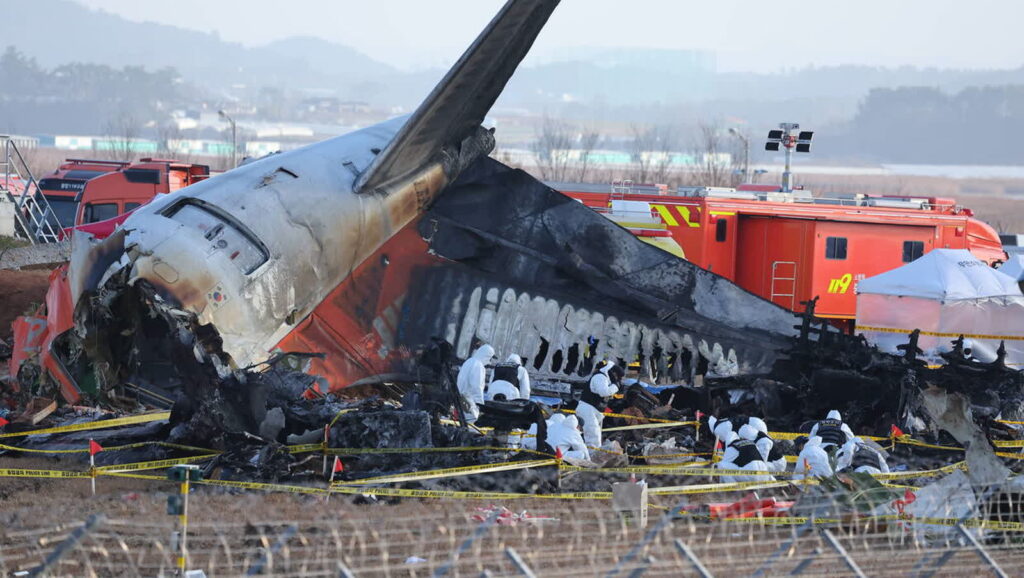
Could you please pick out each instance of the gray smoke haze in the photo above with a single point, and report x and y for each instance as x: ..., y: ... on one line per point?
x: 748, y: 35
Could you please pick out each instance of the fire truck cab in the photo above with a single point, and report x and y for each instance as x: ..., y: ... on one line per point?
x: 119, y: 192
x: 62, y: 187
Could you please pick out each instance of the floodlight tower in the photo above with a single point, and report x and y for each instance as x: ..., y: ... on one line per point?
x: 784, y: 136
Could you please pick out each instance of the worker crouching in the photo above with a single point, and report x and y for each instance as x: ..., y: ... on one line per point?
x: 594, y: 400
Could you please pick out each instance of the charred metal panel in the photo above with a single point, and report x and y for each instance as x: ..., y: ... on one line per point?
x: 558, y: 336
x: 557, y: 270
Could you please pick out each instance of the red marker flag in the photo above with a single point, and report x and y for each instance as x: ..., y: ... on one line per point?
x: 3, y: 422
x: 909, y: 497
x: 558, y: 453
x: 94, y: 448
x: 896, y: 432
x: 700, y: 414
x: 338, y: 466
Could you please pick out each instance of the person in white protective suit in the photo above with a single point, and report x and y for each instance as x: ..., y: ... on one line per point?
x: 530, y: 440
x: 860, y: 457
x: 566, y: 436
x: 501, y: 390
x: 524, y: 376
x: 472, y: 379
x: 741, y: 453
x: 813, y: 461
x: 593, y: 401
x: 509, y: 375
x: 775, y: 459
x: 832, y: 431
x: 720, y: 427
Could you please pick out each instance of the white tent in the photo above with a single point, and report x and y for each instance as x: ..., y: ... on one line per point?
x: 945, y: 293
x: 1014, y: 267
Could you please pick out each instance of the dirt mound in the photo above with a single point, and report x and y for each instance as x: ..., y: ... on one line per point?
x: 18, y: 291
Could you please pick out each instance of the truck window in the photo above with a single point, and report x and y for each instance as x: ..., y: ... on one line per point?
x: 835, y: 248
x: 100, y: 212
x: 721, y: 230
x: 241, y: 248
x: 129, y: 207
x: 912, y: 250
x: 64, y: 209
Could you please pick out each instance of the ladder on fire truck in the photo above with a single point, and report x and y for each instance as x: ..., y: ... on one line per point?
x: 620, y: 189
x: 34, y: 218
x: 784, y: 284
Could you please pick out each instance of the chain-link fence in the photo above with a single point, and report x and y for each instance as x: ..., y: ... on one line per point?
x: 361, y: 537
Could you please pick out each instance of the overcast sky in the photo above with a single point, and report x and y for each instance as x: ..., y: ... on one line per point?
x: 754, y: 35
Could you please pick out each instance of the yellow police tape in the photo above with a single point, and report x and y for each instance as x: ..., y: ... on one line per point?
x: 684, y: 470
x: 642, y: 418
x: 938, y: 334
x: 109, y: 448
x: 781, y: 435
x: 20, y: 473
x: 449, y: 472
x: 969, y: 523
x: 99, y: 424
x: 382, y: 451
x: 650, y: 426
x: 154, y: 465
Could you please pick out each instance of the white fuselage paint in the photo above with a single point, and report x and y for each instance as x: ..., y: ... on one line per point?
x: 315, y: 228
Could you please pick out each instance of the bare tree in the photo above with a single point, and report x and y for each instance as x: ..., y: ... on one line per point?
x: 552, y: 149
x: 588, y: 140
x: 740, y: 151
x: 652, y: 150
x: 123, y: 131
x: 711, y: 160
x: 166, y: 134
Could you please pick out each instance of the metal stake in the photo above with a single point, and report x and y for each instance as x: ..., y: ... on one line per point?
x: 638, y: 572
x: 842, y: 552
x: 257, y: 567
x: 806, y: 562
x: 519, y: 563
x: 67, y: 545
x: 982, y: 552
x: 480, y: 531
x: 344, y: 571
x: 785, y: 546
x: 697, y: 564
x: 665, y: 521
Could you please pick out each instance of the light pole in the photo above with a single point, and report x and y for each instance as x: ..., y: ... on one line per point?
x: 234, y: 137
x: 746, y: 151
x: 784, y: 137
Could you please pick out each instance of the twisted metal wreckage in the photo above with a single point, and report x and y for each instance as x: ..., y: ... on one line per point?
x: 363, y: 251
x: 364, y: 247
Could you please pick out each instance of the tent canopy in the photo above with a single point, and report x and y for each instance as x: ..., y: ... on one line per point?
x: 1014, y: 267
x: 943, y: 274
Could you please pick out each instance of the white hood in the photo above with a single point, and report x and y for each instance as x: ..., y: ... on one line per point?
x: 748, y: 432
x: 758, y: 424
x: 484, y: 353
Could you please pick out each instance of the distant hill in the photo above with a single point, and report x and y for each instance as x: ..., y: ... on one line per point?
x: 61, y: 31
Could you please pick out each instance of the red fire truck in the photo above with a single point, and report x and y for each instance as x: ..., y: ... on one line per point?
x: 62, y: 187
x: 791, y: 247
x: 119, y: 192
